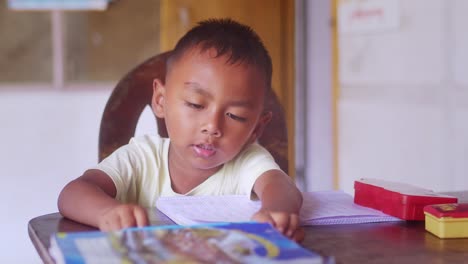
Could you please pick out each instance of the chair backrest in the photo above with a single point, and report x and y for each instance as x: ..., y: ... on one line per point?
x: 133, y: 93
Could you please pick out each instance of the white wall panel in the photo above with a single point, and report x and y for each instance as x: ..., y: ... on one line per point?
x: 413, y: 54
x: 458, y: 27
x: 318, y: 160
x: 403, y: 110
x: 397, y: 142
x: 460, y: 156
x: 48, y: 138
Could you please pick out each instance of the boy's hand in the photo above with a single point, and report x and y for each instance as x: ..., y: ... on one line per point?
x: 122, y: 216
x: 286, y: 223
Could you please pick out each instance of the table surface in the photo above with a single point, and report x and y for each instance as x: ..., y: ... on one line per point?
x: 389, y: 242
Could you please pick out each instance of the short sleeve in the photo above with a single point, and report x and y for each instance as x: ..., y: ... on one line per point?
x: 134, y: 168
x: 251, y: 164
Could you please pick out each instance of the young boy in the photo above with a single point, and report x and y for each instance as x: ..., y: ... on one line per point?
x: 212, y: 103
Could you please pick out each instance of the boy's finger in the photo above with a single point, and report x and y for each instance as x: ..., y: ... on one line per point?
x: 281, y: 221
x: 263, y: 217
x: 299, y: 235
x: 141, y: 216
x: 104, y: 227
x: 113, y: 224
x: 127, y: 219
x: 293, y: 225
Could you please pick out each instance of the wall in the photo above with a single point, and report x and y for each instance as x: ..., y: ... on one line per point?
x: 314, y: 110
x: 403, y: 108
x: 48, y: 138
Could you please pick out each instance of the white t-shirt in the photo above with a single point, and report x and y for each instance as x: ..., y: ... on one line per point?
x: 140, y: 171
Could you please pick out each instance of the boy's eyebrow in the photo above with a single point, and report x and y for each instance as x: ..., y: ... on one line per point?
x: 247, y: 104
x: 196, y: 87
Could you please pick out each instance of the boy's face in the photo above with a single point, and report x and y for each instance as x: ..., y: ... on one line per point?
x: 212, y: 109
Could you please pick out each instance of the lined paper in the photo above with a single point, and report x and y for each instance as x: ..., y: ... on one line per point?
x: 319, y: 208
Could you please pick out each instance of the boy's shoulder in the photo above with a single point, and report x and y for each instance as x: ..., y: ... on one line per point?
x: 149, y: 141
x: 252, y: 152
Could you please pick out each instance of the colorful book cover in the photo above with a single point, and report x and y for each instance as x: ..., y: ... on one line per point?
x: 247, y: 242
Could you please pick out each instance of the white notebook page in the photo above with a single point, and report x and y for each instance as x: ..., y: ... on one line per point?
x: 319, y: 208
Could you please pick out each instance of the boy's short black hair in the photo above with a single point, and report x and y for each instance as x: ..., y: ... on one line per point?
x: 227, y: 37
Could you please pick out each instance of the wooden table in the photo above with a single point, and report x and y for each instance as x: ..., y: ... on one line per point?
x: 391, y: 242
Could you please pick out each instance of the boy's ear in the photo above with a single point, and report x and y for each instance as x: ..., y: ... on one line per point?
x: 261, y: 124
x: 157, y: 102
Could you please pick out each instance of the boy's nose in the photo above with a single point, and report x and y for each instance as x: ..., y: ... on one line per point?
x: 212, y: 132
x: 213, y: 126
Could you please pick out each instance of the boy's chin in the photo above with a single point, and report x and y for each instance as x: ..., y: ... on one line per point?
x: 207, y: 165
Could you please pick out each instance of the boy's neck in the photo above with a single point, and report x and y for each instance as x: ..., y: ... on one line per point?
x: 185, y: 179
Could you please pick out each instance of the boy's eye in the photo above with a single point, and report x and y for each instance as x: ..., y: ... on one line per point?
x: 237, y: 118
x: 192, y: 105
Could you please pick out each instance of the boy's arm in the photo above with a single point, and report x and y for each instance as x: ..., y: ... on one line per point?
x: 281, y: 203
x: 89, y: 199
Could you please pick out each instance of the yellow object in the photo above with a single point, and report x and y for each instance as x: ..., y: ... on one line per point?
x: 446, y: 226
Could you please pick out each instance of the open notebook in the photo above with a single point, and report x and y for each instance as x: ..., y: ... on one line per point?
x: 319, y: 208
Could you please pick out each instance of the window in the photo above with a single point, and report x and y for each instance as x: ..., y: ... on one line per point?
x: 25, y: 48
x: 77, y: 48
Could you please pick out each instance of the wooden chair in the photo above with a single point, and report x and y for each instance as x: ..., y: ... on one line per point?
x: 133, y: 93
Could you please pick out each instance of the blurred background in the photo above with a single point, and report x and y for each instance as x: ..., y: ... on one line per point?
x: 371, y: 88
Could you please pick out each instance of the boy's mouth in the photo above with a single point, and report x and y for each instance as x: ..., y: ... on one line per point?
x: 204, y: 150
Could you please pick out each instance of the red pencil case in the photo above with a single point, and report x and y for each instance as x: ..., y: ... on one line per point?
x: 397, y: 199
